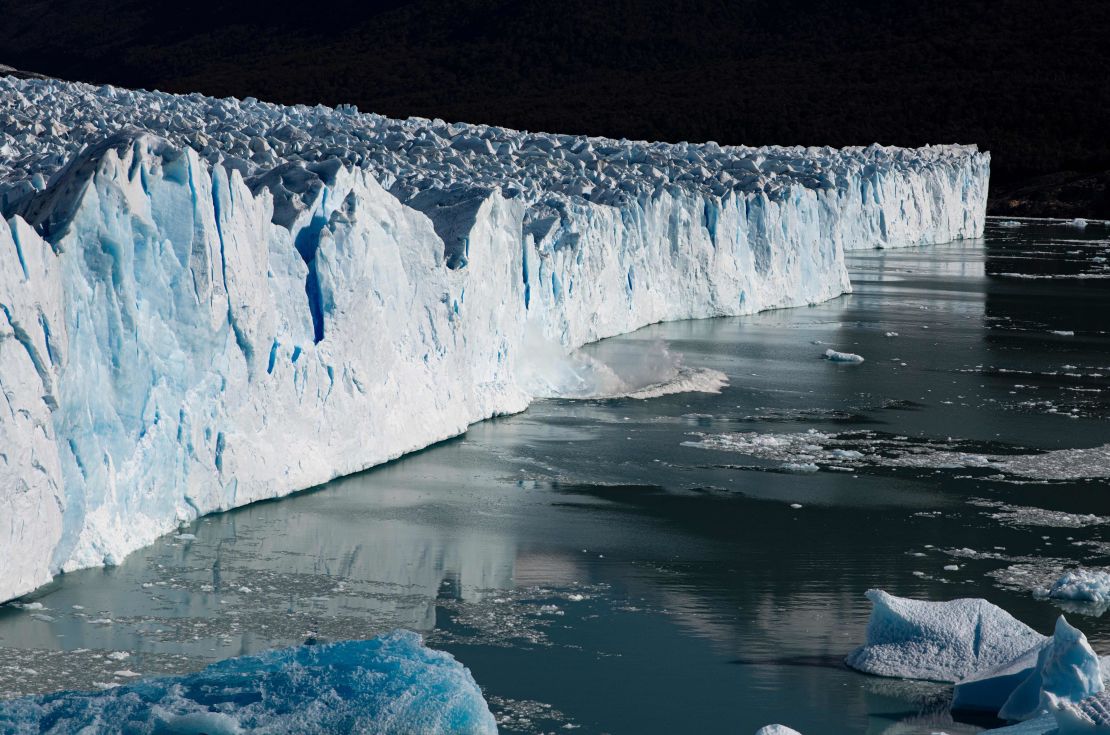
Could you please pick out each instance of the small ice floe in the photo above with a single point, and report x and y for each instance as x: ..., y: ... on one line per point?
x: 951, y: 567
x: 186, y: 537
x: 1063, y: 332
x: 1009, y: 223
x: 890, y: 334
x: 802, y: 468
x: 848, y: 357
x: 1080, y: 585
x: 1078, y: 222
x: 776, y: 730
x: 796, y: 506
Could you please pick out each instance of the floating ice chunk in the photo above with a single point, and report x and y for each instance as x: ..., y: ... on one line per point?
x: 391, y: 684
x: 1078, y: 222
x: 776, y: 730
x: 1090, y: 715
x: 834, y: 356
x: 802, y: 468
x: 939, y: 641
x: 1009, y: 223
x: 1067, y: 669
x: 1063, y: 332
x: 1081, y: 585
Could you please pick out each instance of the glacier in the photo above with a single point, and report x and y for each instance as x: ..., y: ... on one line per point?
x: 388, y: 685
x: 209, y: 302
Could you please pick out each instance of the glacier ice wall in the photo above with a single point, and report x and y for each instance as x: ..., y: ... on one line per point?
x: 204, y: 303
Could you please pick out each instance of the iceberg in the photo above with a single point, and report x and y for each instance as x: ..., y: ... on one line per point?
x: 939, y: 641
x: 209, y: 302
x: 1081, y: 585
x: 776, y: 730
x: 392, y: 684
x: 1062, y: 669
x: 1067, y: 670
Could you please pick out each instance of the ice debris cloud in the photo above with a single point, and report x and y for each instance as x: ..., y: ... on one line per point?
x: 392, y: 684
x: 206, y: 302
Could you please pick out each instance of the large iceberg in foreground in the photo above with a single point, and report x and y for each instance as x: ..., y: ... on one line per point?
x: 939, y: 641
x: 391, y: 684
x: 205, y: 302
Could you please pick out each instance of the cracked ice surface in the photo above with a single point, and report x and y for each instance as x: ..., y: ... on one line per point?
x: 204, y: 302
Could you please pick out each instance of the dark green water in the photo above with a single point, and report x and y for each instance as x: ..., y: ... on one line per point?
x: 629, y: 566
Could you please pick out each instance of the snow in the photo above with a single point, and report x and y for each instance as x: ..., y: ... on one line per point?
x: 391, y: 684
x: 938, y: 641
x: 834, y: 356
x: 1081, y: 585
x: 204, y: 303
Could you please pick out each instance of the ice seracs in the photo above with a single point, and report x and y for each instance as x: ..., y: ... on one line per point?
x: 390, y: 685
x: 205, y: 302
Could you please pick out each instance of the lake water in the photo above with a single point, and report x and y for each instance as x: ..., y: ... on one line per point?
x: 642, y: 566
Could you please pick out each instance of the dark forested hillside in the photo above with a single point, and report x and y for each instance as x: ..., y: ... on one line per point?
x: 1028, y: 80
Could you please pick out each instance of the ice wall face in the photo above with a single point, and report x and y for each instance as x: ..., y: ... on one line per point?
x: 204, y: 303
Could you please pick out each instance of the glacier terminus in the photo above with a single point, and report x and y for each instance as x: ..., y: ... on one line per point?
x: 209, y: 302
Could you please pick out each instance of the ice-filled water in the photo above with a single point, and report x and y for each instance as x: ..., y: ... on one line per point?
x: 584, y: 553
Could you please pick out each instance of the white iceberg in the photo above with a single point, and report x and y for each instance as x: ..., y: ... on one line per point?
x: 776, y: 730
x: 1081, y: 585
x: 204, y: 303
x: 939, y: 641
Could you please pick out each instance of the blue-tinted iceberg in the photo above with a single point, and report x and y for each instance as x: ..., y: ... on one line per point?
x: 939, y: 641
x: 1067, y: 670
x: 204, y: 303
x: 392, y: 684
x: 989, y: 690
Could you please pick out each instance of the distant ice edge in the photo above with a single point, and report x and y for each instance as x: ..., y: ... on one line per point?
x: 158, y: 331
